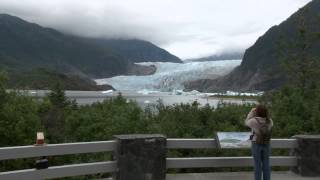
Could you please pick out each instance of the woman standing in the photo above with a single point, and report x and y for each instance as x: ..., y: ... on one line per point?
x: 260, y: 123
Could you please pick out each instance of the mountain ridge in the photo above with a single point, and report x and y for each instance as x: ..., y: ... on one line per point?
x: 225, y: 56
x: 261, y: 68
x: 132, y: 49
x: 27, y: 46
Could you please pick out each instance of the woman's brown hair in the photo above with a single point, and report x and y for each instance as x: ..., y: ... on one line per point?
x: 262, y: 111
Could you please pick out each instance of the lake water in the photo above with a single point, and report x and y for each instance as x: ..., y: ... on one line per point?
x: 142, y: 98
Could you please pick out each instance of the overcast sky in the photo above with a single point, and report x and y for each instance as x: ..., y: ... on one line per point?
x: 186, y: 28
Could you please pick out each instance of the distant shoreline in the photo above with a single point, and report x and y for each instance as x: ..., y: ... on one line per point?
x: 234, y: 97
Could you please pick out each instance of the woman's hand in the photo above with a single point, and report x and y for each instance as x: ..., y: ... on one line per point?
x: 253, y: 112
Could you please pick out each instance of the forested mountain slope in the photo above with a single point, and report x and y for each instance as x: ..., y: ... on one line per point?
x: 262, y: 67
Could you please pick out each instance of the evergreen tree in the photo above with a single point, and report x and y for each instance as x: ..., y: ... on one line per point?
x: 53, y: 117
x: 57, y: 96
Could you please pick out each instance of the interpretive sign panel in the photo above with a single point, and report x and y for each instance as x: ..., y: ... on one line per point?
x: 233, y: 139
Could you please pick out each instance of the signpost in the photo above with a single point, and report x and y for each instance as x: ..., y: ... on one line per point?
x: 41, y: 163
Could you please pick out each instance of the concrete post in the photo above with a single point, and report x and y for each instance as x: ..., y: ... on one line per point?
x: 308, y: 154
x: 140, y: 157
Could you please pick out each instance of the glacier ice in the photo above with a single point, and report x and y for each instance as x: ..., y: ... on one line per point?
x: 170, y: 76
x: 107, y: 92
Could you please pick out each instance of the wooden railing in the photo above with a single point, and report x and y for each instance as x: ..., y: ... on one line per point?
x: 17, y: 152
x: 59, y: 149
x: 202, y: 162
x: 56, y: 149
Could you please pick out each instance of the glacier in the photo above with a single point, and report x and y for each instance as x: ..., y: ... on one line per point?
x: 171, y: 76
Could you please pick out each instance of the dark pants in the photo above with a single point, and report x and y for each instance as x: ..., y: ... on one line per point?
x: 261, y: 161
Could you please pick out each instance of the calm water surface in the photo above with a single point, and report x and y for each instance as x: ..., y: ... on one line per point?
x: 89, y: 97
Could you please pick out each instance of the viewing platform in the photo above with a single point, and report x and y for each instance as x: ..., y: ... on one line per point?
x: 143, y: 157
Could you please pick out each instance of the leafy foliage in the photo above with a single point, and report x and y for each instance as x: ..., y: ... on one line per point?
x: 18, y: 117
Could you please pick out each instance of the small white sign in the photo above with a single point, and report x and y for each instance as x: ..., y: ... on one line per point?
x: 233, y: 139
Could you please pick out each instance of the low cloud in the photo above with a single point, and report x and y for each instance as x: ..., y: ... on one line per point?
x: 187, y: 28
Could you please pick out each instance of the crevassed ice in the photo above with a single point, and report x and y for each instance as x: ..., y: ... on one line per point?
x: 171, y: 76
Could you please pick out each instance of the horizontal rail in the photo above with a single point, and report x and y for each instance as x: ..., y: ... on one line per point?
x: 212, y: 143
x: 284, y: 143
x: 61, y: 171
x: 191, y: 143
x: 203, y: 162
x: 56, y: 149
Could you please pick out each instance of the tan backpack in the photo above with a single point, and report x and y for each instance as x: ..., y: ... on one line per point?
x: 264, y: 134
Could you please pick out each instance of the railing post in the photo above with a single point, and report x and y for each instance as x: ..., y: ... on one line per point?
x: 308, y: 155
x: 140, y: 157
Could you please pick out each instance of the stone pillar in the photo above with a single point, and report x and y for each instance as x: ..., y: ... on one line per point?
x: 140, y: 157
x: 308, y: 154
